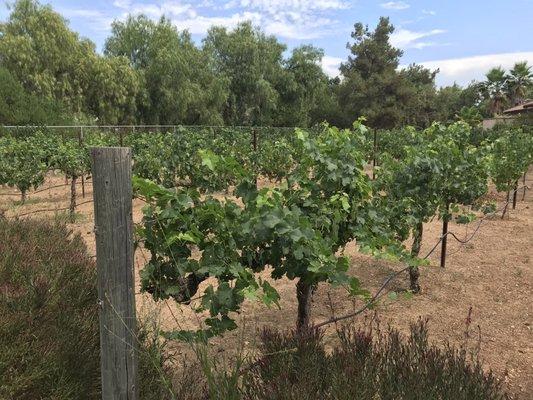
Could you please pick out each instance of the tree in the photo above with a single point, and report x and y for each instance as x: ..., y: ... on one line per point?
x: 520, y: 79
x: 470, y: 116
x: 44, y: 55
x: 18, y: 107
x: 114, y: 90
x: 372, y: 86
x: 251, y: 63
x: 55, y: 66
x: 303, y: 88
x: 495, y: 89
x: 434, y: 177
x: 420, y: 103
x: 179, y: 82
x: 450, y: 100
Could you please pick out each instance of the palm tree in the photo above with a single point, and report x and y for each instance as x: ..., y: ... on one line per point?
x: 495, y: 88
x: 519, y: 80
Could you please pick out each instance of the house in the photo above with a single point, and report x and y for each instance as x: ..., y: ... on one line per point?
x: 527, y: 106
x: 508, y: 116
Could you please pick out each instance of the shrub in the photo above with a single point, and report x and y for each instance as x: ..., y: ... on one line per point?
x: 368, y: 364
x: 49, y: 338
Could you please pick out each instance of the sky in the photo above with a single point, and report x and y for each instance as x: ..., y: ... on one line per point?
x: 462, y: 38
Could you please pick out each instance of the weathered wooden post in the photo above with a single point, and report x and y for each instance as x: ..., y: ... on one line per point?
x: 80, y: 140
x: 445, y: 220
x: 112, y: 192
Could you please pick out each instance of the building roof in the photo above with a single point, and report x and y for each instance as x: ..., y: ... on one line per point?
x: 526, y: 106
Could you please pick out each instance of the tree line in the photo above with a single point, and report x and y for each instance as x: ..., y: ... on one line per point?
x: 152, y: 73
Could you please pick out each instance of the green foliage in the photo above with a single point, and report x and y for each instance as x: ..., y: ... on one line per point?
x: 501, y: 89
x: 304, y: 90
x: 112, y: 94
x: 252, y: 96
x: 186, y: 157
x: 420, y: 181
x: 19, y: 107
x: 451, y: 100
x: 510, y: 156
x: 519, y: 81
x: 470, y: 116
x: 463, y: 168
x: 180, y: 85
x: 275, y: 159
x: 71, y: 158
x: 374, y: 88
x: 55, y: 66
x: 22, y: 163
x: 295, y: 228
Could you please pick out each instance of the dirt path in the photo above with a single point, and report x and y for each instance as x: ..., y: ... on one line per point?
x: 493, y: 274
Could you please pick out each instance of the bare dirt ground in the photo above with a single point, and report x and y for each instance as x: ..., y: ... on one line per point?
x: 492, y: 274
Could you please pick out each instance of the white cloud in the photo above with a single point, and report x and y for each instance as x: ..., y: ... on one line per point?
x: 273, y: 6
x: 429, y: 12
x: 407, y: 39
x: 152, y: 10
x: 331, y: 65
x: 122, y: 3
x: 395, y: 5
x: 84, y: 13
x: 201, y: 24
x: 465, y: 69
x: 293, y: 19
x: 98, y: 21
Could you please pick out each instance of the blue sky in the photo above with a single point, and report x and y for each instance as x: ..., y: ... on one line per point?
x: 462, y: 38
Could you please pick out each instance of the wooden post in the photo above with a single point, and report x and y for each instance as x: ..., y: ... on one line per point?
x: 444, y: 237
x: 515, y: 194
x: 80, y: 140
x: 112, y: 192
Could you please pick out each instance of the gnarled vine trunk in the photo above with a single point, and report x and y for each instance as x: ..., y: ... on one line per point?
x: 23, y: 196
x: 414, y: 274
x: 304, y: 293
x: 72, y: 208
x: 524, y: 184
